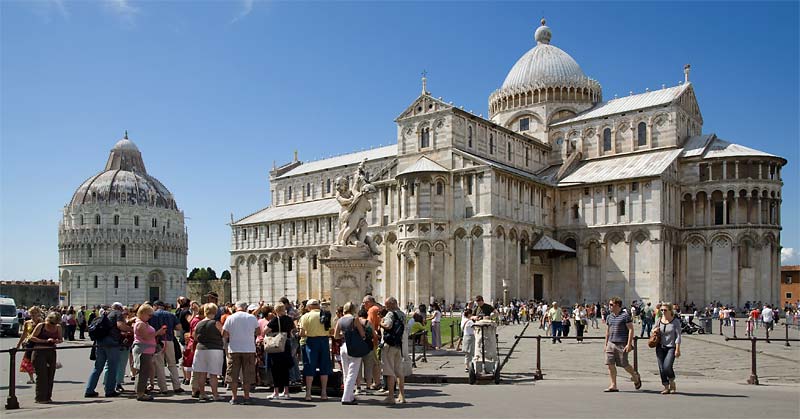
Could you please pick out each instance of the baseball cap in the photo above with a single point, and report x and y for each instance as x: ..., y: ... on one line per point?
x: 312, y: 302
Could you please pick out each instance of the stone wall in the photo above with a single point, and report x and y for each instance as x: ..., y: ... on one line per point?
x: 197, y: 290
x: 31, y: 293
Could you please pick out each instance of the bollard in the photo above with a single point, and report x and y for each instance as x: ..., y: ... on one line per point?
x: 425, y: 347
x: 787, y: 334
x: 452, y: 335
x: 11, y: 401
x: 734, y: 327
x: 413, y: 354
x: 636, y: 354
x: 720, y: 327
x: 538, y: 374
x: 753, y: 376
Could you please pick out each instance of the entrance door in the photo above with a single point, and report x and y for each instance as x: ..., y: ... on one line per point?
x: 538, y: 286
x: 154, y: 291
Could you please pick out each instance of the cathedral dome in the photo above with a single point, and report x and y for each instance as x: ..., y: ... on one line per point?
x: 125, y: 181
x: 544, y: 74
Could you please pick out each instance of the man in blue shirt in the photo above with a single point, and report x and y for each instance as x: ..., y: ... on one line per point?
x: 163, y: 318
x: 619, y: 341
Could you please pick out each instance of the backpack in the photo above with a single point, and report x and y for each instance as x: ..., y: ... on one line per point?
x: 394, y: 335
x: 325, y: 319
x: 100, y: 328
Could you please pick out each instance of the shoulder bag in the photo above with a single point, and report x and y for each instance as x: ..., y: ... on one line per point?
x: 655, y: 338
x: 275, y: 342
x: 356, y: 345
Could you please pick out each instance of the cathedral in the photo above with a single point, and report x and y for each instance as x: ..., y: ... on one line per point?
x: 559, y: 194
x: 122, y: 236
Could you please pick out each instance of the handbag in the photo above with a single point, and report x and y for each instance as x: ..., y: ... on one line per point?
x: 655, y: 339
x: 357, y: 346
x: 275, y: 342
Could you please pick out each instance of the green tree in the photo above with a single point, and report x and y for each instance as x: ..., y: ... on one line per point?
x: 192, y: 274
x: 226, y: 274
x: 211, y: 273
x: 202, y: 275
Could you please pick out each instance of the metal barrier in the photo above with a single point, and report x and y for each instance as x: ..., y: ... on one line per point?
x: 537, y: 375
x: 414, y: 348
x: 753, y: 375
x: 11, y: 401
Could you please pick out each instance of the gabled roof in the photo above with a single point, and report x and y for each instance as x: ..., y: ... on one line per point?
x: 320, y: 207
x: 506, y: 168
x: 424, y: 164
x: 722, y: 148
x: 345, y: 159
x: 630, y: 103
x: 618, y: 167
x: 547, y: 243
x: 408, y: 111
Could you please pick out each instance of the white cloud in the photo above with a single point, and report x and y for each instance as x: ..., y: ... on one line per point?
x: 789, y: 256
x: 49, y: 8
x: 122, y: 8
x: 244, y: 10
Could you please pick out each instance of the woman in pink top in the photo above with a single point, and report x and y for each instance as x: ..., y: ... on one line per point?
x: 144, y: 346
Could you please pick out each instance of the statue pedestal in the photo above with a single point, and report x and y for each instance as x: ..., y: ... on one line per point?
x: 352, y: 273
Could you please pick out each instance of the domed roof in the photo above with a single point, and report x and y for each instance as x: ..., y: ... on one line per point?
x: 124, y: 180
x: 544, y: 66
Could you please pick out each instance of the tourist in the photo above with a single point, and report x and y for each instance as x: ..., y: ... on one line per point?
x: 767, y: 318
x: 316, y: 355
x: 240, y: 330
x: 108, y: 352
x: 370, y: 363
x: 555, y: 316
x: 350, y: 364
x: 126, y: 340
x: 188, y: 353
x: 160, y: 318
x: 184, y: 314
x: 669, y: 347
x: 144, y: 346
x: 280, y: 363
x: 45, y: 337
x: 482, y: 309
x: 467, y: 338
x: 393, y: 325
x: 208, y: 356
x: 72, y: 324
x: 565, y: 322
x: 647, y: 320
x: 81, y: 317
x: 436, y: 332
x: 580, y: 321
x: 618, y: 342
x: 25, y: 339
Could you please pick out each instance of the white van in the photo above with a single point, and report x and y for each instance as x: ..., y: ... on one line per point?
x: 8, y: 314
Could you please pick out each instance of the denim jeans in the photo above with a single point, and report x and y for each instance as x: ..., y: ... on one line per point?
x: 647, y: 325
x: 556, y: 330
x: 294, y: 372
x: 122, y: 365
x: 108, y: 352
x: 666, y: 357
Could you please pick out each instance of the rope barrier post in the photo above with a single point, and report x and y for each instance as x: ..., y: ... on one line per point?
x: 753, y: 376
x: 11, y: 401
x: 538, y: 374
x: 734, y: 327
x: 452, y: 334
x: 720, y: 327
x: 787, y: 334
x: 636, y: 354
x: 425, y: 347
x: 413, y: 354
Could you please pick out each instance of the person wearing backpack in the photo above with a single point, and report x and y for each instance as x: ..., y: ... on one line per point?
x: 648, y: 317
x: 105, y: 331
x: 393, y: 325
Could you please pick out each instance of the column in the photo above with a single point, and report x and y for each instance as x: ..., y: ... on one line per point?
x: 401, y: 294
x: 308, y: 275
x: 735, y: 274
x: 724, y: 210
x: 758, y: 215
x: 614, y: 140
x: 694, y: 212
x: 736, y: 169
x: 707, y: 268
x: 398, y: 275
x: 320, y: 281
x: 450, y: 271
x: 724, y: 169
x: 431, y: 288
x: 417, y: 276
x: 468, y: 270
x: 708, y: 215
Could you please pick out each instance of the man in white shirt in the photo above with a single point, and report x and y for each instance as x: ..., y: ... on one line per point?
x: 240, y: 331
x: 768, y: 317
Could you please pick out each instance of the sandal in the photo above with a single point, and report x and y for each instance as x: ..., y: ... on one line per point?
x: 637, y: 382
x: 611, y: 390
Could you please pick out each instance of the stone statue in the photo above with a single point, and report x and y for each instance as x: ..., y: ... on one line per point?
x: 355, y: 204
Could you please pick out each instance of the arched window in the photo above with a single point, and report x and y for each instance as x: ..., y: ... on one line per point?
x: 439, y: 187
x: 82, y: 219
x: 469, y: 137
x: 313, y: 261
x: 116, y: 219
x: 155, y: 253
x: 95, y: 281
x: 641, y: 132
x: 508, y: 149
x: 79, y: 281
x: 527, y: 157
x: 89, y: 251
x: 572, y: 244
x: 524, y: 124
x: 425, y: 138
x: 308, y: 190
x: 97, y: 219
x: 154, y: 222
x: 116, y: 282
x: 122, y: 251
x: 607, y: 139
x: 136, y: 220
x: 575, y: 212
x: 136, y: 282
x: 328, y: 186
x: 265, y: 263
x: 621, y: 208
x: 594, y: 254
x: 289, y: 263
x: 290, y: 193
x: 491, y: 144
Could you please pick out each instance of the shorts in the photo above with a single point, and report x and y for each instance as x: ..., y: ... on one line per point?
x: 209, y: 361
x: 616, y: 355
x: 391, y: 361
x: 243, y: 363
x: 316, y: 355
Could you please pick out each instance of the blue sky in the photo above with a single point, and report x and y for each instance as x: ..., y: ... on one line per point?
x: 214, y: 92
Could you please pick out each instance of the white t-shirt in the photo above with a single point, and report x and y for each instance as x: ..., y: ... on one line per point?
x: 466, y: 326
x: 767, y: 315
x: 241, y: 328
x: 437, y: 316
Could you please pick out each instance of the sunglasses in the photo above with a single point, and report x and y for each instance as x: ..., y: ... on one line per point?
x: 664, y: 310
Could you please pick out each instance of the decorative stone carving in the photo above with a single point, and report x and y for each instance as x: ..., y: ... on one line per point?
x: 353, y: 239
